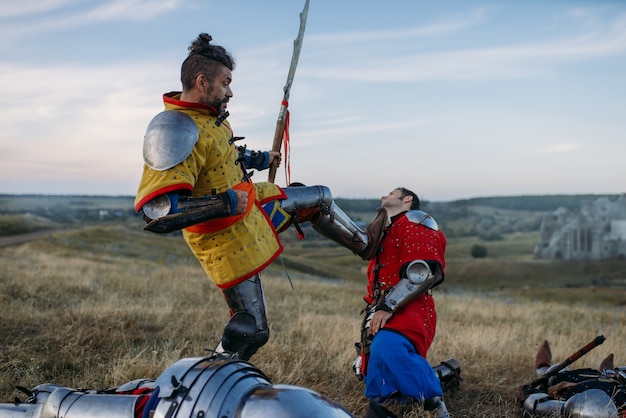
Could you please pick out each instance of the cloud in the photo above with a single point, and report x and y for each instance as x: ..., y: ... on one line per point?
x: 21, y: 8
x: 512, y: 61
x: 36, y: 17
x: 447, y: 27
x: 63, y: 123
x: 558, y: 148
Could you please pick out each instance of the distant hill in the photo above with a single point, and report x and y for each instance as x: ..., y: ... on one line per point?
x: 489, y: 218
x: 486, y: 217
x: 545, y: 203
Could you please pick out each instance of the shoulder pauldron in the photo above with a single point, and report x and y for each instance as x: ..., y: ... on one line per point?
x: 422, y: 218
x: 169, y: 139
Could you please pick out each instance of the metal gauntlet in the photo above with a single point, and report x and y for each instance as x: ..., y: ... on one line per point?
x: 417, y: 278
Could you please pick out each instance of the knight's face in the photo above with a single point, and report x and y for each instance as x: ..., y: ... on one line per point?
x: 218, y: 93
x: 393, y: 199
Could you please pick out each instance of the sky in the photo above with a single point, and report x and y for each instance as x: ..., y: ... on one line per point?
x: 452, y: 99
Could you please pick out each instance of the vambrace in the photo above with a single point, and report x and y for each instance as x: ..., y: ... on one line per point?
x: 417, y: 278
x: 171, y: 212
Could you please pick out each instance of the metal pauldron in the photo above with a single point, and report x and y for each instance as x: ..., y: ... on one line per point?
x: 169, y: 139
x: 422, y: 218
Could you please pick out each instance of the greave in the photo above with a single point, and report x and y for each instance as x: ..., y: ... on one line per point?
x: 247, y: 329
x: 337, y: 226
x: 330, y: 221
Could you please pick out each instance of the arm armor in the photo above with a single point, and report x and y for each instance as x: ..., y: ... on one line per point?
x: 171, y: 212
x: 417, y: 277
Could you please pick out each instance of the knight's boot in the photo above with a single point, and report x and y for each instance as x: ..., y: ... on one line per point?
x: 543, y: 360
x: 316, y: 204
x: 607, y: 363
x: 375, y: 410
x: 436, y: 408
x: 247, y: 329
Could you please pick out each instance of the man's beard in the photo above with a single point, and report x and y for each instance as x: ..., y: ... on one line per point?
x: 217, y: 104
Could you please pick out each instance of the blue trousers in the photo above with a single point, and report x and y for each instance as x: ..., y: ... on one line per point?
x: 395, y: 367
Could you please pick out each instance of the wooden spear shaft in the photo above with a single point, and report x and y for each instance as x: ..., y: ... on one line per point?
x: 282, y: 114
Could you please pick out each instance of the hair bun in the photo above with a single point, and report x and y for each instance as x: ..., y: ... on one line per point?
x: 201, y: 45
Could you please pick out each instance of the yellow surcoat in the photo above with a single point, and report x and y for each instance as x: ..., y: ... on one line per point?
x: 240, y: 250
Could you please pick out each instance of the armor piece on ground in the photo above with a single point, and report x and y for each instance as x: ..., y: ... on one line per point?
x: 592, y: 403
x: 541, y: 404
x: 330, y: 221
x: 192, y: 387
x: 247, y: 329
x: 582, y: 393
x: 416, y: 279
x: 449, y: 373
x: 173, y: 213
x: 169, y: 139
x: 54, y: 401
x: 577, y: 393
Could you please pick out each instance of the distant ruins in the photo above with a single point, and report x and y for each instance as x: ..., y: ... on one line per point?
x: 596, y: 232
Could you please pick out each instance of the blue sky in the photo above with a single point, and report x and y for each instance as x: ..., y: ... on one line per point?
x: 453, y: 99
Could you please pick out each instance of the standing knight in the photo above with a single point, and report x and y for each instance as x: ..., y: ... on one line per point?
x: 195, y: 178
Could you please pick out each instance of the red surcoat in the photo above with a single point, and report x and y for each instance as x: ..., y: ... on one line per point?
x: 403, y: 242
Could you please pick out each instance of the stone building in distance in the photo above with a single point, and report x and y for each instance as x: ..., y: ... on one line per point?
x: 596, y: 232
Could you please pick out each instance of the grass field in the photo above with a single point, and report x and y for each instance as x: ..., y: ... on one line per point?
x: 99, y: 306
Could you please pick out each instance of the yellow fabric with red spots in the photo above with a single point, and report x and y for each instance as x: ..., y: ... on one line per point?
x: 235, y: 252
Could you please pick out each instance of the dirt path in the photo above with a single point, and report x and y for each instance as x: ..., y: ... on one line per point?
x: 18, y: 239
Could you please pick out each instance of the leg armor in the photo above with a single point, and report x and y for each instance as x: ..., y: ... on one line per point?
x: 316, y: 204
x: 247, y: 329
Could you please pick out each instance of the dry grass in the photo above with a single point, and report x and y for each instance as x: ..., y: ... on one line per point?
x: 99, y: 307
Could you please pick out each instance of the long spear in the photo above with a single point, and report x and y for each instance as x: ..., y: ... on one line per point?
x: 282, y: 124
